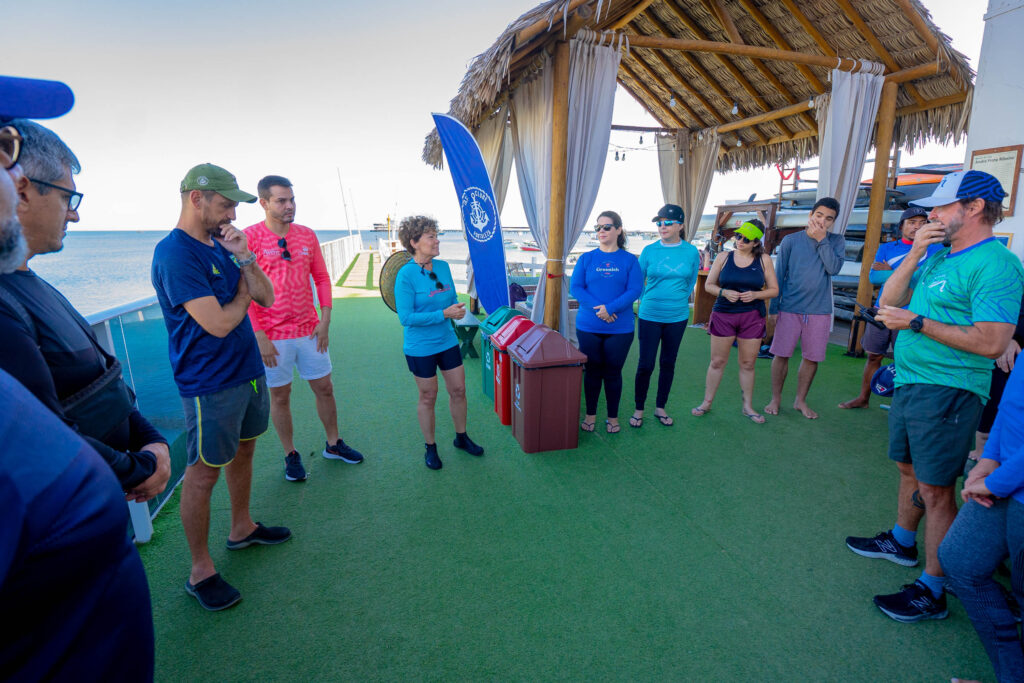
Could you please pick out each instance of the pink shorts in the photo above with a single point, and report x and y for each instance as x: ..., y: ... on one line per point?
x: 810, y: 330
x: 747, y: 325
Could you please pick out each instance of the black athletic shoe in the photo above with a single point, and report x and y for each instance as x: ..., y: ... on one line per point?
x: 264, y: 535
x: 764, y: 352
x: 914, y: 603
x: 432, y: 459
x: 883, y: 546
x: 465, y: 443
x: 344, y: 452
x: 293, y: 469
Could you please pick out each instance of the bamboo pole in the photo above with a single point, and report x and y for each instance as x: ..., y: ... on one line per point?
x: 883, y: 145
x: 780, y: 41
x: 670, y: 116
x: 630, y: 15
x: 791, y: 110
x: 811, y: 29
x: 725, y: 19
x: 657, y: 42
x: 915, y: 72
x: 559, y: 159
x: 540, y: 26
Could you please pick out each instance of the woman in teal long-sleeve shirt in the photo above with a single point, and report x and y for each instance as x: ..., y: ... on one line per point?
x: 426, y: 301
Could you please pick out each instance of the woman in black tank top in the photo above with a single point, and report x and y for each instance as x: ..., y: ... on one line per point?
x: 743, y: 280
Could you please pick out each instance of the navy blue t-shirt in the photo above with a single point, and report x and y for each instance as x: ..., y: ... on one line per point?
x: 185, y: 269
x: 73, y: 594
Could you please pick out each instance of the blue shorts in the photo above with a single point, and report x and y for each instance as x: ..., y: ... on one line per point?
x: 218, y: 422
x: 426, y: 367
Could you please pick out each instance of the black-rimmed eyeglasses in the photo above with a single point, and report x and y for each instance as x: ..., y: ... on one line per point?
x: 283, y: 243
x: 10, y: 144
x: 74, y: 197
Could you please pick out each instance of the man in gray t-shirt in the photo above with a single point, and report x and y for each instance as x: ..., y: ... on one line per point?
x: 805, y: 264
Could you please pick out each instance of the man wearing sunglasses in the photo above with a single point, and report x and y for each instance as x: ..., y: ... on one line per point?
x: 289, y: 333
x: 73, y: 591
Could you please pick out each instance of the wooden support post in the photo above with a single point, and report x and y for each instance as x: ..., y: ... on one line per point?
x: 883, y: 145
x: 559, y: 159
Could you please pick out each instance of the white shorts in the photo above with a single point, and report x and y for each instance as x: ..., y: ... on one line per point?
x: 301, y: 353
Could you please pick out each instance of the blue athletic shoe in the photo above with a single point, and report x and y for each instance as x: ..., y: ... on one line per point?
x: 344, y: 452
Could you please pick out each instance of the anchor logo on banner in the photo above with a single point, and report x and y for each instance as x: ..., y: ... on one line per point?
x: 478, y: 213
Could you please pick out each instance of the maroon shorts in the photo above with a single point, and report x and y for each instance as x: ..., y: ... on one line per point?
x: 747, y: 325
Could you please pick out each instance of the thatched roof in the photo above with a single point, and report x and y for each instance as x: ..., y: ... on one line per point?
x: 697, y: 90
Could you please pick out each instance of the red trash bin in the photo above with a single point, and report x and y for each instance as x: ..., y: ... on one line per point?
x: 500, y: 340
x: 547, y: 375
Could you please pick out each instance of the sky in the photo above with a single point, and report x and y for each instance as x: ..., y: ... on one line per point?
x: 329, y: 94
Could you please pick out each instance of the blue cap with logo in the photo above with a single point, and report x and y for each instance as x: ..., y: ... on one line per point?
x: 883, y: 382
x: 32, y: 98
x: 963, y: 185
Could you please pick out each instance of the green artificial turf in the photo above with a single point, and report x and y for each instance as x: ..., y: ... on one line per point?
x: 369, y: 272
x: 344, y: 276
x: 711, y: 550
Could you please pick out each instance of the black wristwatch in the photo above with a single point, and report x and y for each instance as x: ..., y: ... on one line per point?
x: 917, y: 323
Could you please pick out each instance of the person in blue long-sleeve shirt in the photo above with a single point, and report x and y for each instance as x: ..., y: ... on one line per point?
x: 988, y: 529
x: 606, y: 281
x: 426, y: 301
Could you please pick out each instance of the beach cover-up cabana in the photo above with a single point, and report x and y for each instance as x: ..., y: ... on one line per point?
x: 733, y: 84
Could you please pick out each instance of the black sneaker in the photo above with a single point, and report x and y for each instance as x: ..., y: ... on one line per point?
x: 264, y: 535
x: 764, y: 352
x: 883, y: 546
x: 344, y: 452
x: 293, y: 469
x: 914, y: 603
x: 432, y: 459
x: 465, y: 443
x: 213, y: 593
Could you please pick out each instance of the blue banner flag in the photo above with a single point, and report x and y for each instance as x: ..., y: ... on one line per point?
x: 480, y: 217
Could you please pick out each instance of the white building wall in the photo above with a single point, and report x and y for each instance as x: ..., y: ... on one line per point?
x: 997, y: 116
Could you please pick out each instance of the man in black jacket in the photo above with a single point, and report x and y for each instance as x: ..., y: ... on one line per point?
x: 48, y: 347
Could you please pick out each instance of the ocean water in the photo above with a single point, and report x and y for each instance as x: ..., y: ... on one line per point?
x: 98, y: 270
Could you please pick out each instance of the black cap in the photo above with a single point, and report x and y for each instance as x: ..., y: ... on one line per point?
x: 670, y: 212
x: 912, y: 212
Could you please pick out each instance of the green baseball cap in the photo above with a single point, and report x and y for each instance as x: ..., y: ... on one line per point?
x: 217, y: 179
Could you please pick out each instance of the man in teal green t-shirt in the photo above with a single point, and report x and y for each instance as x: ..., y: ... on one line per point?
x: 963, y: 306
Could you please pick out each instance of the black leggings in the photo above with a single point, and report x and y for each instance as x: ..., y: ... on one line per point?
x: 606, y: 354
x: 650, y: 334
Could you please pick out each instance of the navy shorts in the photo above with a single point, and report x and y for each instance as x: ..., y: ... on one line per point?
x: 426, y: 367
x: 932, y: 427
x: 218, y: 422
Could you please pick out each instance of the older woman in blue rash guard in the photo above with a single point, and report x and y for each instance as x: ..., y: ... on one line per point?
x: 606, y: 281
x: 669, y: 267
x: 426, y: 302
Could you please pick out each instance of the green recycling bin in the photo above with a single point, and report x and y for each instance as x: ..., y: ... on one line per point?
x: 491, y: 324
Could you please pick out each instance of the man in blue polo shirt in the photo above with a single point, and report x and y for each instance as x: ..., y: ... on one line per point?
x: 205, y: 276
x: 877, y: 341
x: 963, y: 306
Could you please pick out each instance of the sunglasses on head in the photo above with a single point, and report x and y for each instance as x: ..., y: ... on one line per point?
x: 10, y: 144
x: 283, y: 243
x: 433, y: 276
x: 604, y: 226
x: 664, y: 223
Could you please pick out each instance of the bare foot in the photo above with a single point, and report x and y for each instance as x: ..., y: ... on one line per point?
x: 855, y: 403
x: 804, y: 410
x: 772, y: 408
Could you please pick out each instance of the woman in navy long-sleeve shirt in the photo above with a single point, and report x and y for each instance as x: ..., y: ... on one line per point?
x: 606, y: 281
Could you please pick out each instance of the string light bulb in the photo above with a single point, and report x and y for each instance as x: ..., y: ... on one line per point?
x: 672, y: 101
x: 735, y: 109
x: 641, y: 139
x: 739, y: 142
x: 680, y: 160
x: 810, y: 103
x: 623, y: 156
x: 616, y: 155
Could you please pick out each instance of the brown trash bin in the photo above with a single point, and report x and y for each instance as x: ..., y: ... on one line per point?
x: 547, y: 376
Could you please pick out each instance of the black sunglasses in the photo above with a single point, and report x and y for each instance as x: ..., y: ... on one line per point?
x: 602, y: 226
x: 433, y: 276
x: 10, y: 144
x: 74, y: 198
x: 283, y: 243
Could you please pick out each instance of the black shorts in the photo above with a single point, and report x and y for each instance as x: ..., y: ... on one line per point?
x: 932, y: 427
x: 426, y: 366
x: 877, y: 341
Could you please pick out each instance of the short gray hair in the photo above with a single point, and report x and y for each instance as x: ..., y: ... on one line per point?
x: 44, y: 156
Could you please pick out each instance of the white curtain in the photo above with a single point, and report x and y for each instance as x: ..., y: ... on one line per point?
x: 496, y: 149
x: 847, y: 123
x: 531, y: 144
x: 687, y: 184
x: 593, y: 65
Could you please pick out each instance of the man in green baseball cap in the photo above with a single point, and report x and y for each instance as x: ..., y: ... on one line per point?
x: 209, y: 177
x: 205, y: 277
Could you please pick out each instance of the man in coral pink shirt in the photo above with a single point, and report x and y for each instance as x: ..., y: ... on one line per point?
x: 289, y: 333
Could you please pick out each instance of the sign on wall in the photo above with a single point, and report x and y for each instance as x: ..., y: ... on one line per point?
x: 1004, y: 164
